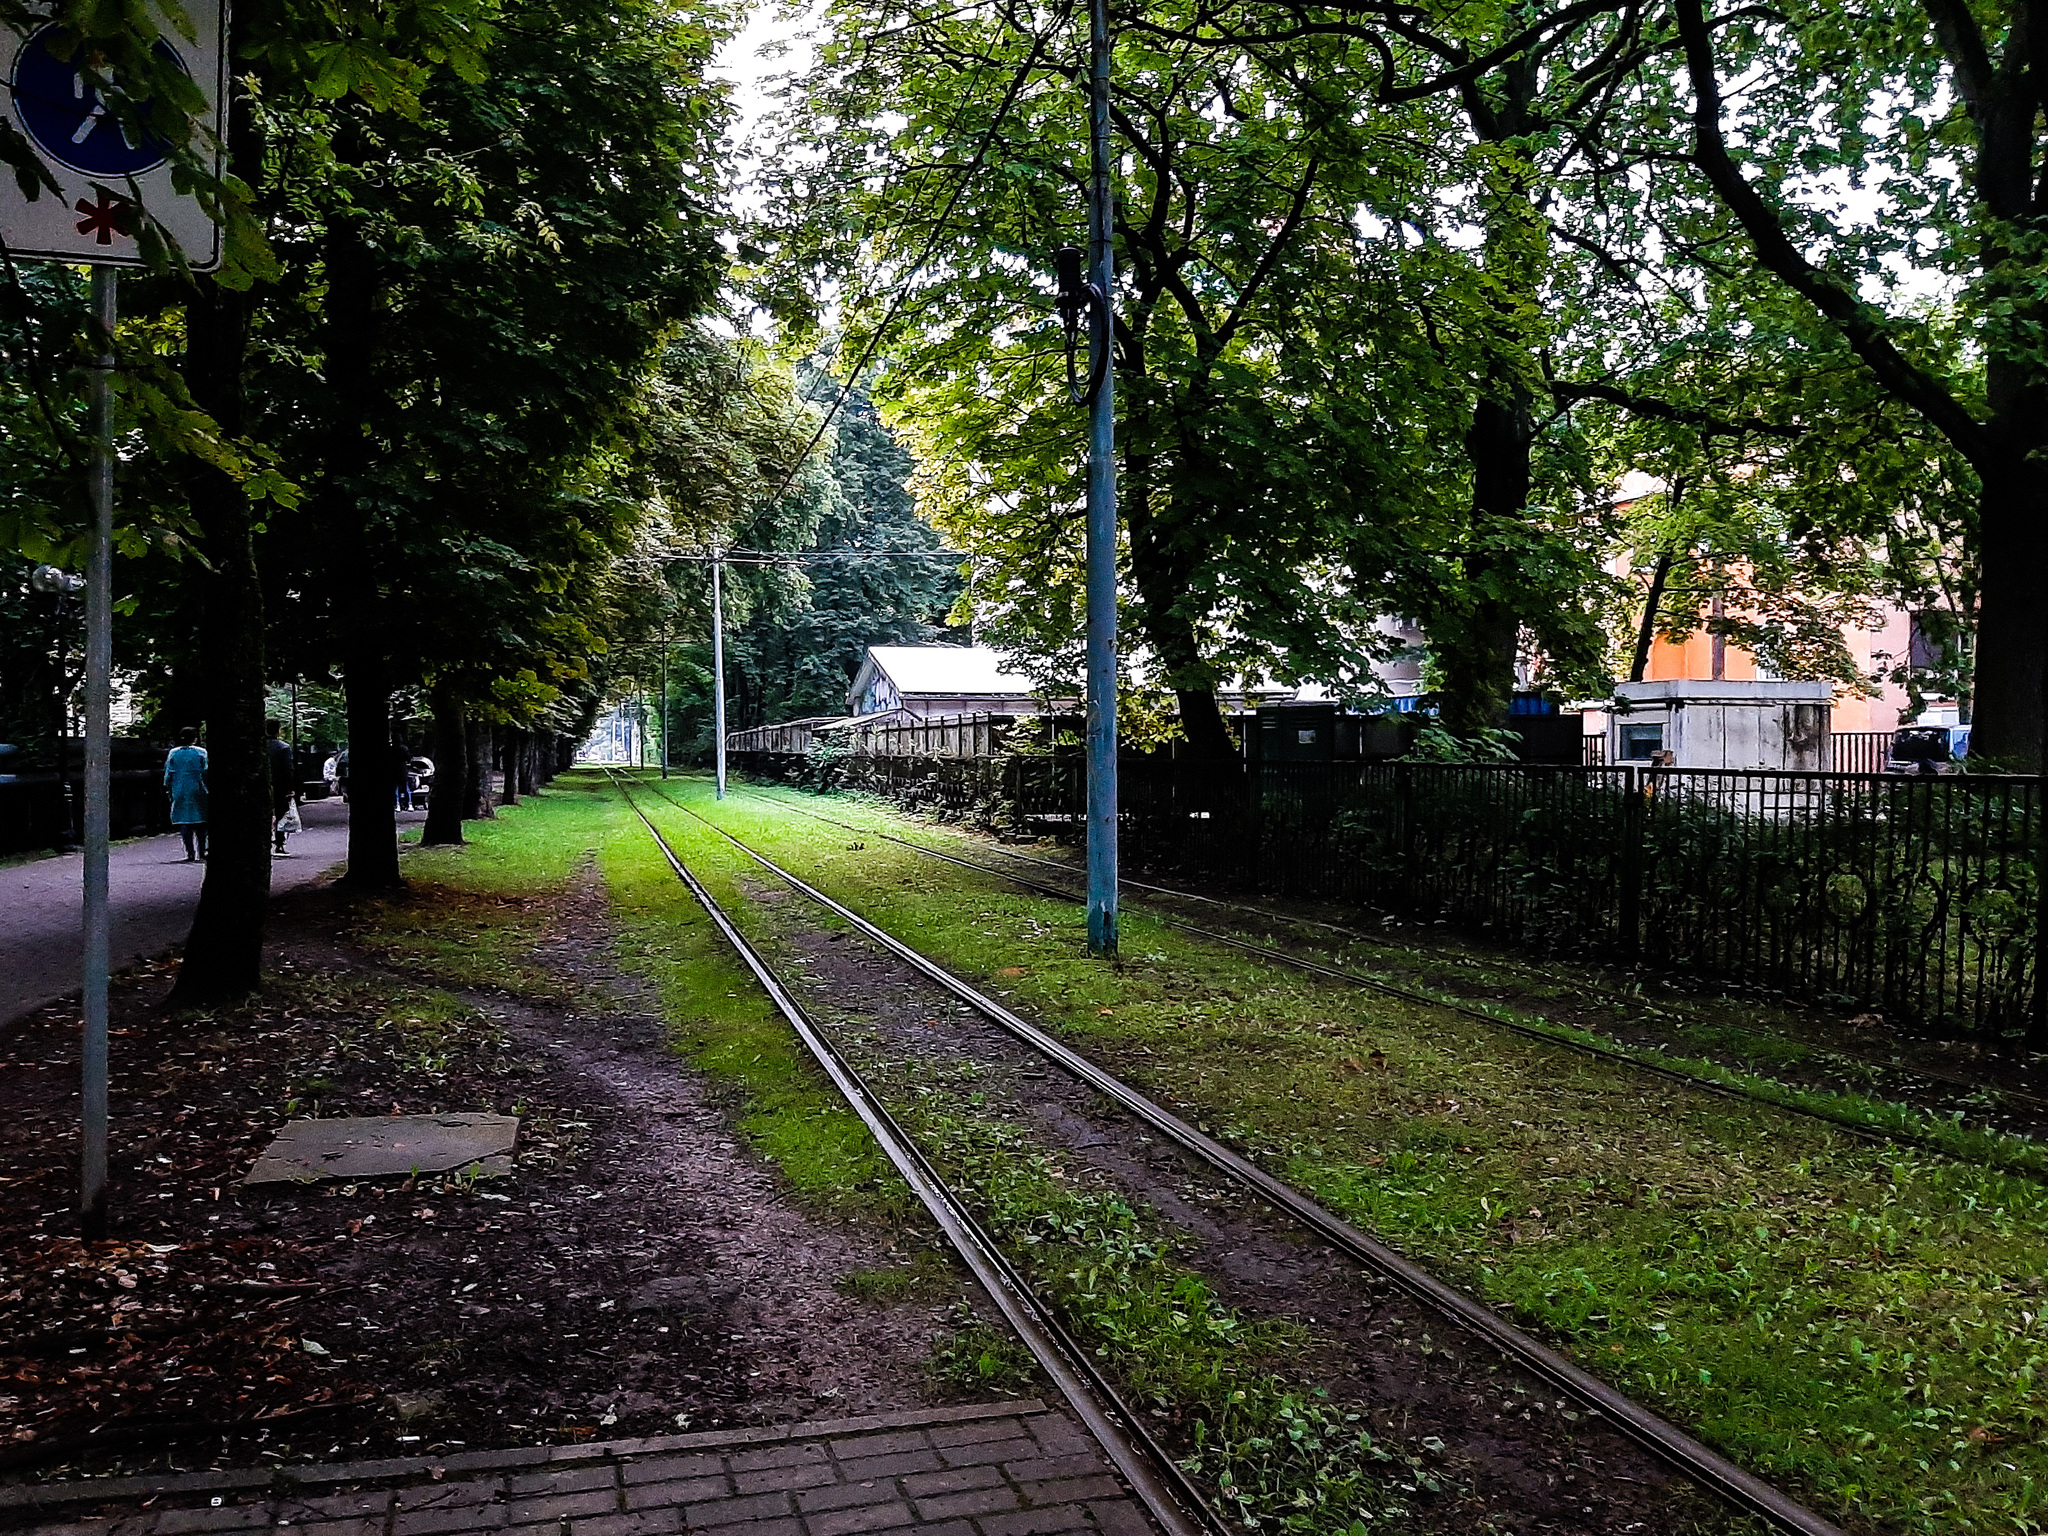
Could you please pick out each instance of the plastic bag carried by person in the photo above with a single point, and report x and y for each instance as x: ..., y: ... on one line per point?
x: 289, y: 822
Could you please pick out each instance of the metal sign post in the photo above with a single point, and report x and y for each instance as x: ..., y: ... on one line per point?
x: 88, y: 152
x: 718, y: 668
x: 99, y: 763
x: 1102, y: 792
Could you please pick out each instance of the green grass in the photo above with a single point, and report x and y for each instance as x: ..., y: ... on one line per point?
x: 1864, y: 1325
x: 477, y: 910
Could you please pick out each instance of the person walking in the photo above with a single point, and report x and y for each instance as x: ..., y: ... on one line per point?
x: 185, y: 782
x: 284, y: 782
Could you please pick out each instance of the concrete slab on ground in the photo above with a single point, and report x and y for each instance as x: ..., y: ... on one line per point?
x: 368, y: 1147
x: 988, y: 1469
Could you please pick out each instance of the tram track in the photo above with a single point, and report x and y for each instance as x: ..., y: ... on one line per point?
x: 1172, y: 1501
x: 1662, y: 1440
x: 1617, y: 1053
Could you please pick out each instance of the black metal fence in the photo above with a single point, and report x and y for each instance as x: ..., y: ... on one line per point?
x: 1913, y: 895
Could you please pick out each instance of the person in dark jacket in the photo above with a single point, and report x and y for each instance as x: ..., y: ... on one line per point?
x: 284, y: 779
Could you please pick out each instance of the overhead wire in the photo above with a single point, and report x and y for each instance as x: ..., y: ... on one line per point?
x: 1018, y: 79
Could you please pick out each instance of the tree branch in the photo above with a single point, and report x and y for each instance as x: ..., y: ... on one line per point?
x: 1861, y: 326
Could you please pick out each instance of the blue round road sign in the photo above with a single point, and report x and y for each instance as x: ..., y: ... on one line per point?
x: 63, y: 113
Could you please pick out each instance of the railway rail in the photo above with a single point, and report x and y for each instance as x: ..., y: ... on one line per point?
x: 1617, y: 1053
x: 1663, y: 1440
x: 1152, y: 1475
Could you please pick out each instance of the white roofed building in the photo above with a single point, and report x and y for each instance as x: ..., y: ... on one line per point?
x: 927, y: 681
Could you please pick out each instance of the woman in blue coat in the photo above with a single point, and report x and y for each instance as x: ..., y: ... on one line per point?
x: 185, y: 780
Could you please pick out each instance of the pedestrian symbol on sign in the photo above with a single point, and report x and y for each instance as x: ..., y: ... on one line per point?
x: 69, y: 121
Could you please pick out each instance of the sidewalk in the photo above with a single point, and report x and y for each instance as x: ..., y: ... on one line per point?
x: 153, y: 892
x: 995, y: 1469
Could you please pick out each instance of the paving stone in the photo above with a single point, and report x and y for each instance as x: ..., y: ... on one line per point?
x: 662, y: 1469
x: 638, y: 1522
x: 985, y: 1451
x: 686, y: 1490
x: 229, y: 1517
x: 443, y: 1495
x: 454, y: 1517
x: 492, y: 1461
x: 1120, y: 1517
x: 758, y: 1506
x: 1060, y: 1436
x: 817, y: 1475
x: 858, y: 1446
x: 575, y: 1481
x: 1049, y: 1521
x: 844, y: 1495
x: 1005, y: 1428
x: 360, y: 1525
x: 562, y: 1506
x: 927, y: 1485
x: 1100, y: 1486
x: 865, y: 1517
x: 775, y: 1456
x: 1078, y: 1465
x: 975, y: 1501
x: 790, y: 1526
x: 299, y: 1509
x: 891, y: 1466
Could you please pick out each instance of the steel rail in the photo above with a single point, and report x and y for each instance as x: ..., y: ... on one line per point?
x: 1621, y: 1055
x: 1664, y: 1440
x: 1173, y: 1501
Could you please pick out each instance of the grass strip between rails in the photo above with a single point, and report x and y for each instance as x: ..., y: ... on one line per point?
x: 1862, y: 1324
x: 1277, y: 1455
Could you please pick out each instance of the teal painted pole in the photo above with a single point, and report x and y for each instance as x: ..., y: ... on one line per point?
x: 1101, y: 575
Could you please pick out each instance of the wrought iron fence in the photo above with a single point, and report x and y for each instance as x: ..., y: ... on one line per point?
x: 1913, y: 895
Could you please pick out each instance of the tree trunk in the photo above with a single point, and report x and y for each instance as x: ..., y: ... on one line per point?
x: 529, y: 751
x: 223, y: 958
x: 512, y: 738
x: 477, y: 790
x: 444, y: 802
x: 374, y: 764
x: 1162, y: 574
x: 2012, y: 643
x: 224, y: 951
x: 1474, y: 647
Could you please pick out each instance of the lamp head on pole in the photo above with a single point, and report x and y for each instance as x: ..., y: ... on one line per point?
x: 55, y: 582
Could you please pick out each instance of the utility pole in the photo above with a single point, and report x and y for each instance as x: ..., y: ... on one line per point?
x: 664, y: 701
x: 718, y: 669
x: 1102, y: 796
x: 99, y: 762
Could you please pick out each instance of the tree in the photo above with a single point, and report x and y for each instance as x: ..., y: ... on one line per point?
x: 500, y: 275
x: 1940, y: 105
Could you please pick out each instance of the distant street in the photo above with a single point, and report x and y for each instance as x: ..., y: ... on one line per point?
x: 154, y: 891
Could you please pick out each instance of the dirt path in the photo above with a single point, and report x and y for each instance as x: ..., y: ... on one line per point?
x: 640, y: 1272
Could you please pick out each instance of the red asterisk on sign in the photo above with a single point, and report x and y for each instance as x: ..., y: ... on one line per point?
x: 104, y: 219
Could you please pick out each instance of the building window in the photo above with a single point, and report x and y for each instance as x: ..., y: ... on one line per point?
x: 1639, y: 743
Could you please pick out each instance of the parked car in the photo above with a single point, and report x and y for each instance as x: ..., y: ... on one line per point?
x: 1928, y: 749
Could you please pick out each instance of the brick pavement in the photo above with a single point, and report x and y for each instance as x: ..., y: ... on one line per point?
x: 998, y: 1469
